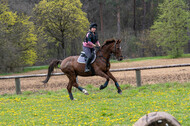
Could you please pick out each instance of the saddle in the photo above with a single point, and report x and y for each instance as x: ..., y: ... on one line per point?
x: 82, y: 58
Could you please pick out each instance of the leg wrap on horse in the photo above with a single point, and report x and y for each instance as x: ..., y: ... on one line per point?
x: 118, y: 87
x: 80, y: 88
x: 71, y: 96
x: 83, y: 90
x: 104, y: 86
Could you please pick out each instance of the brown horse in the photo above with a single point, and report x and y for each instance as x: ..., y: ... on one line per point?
x: 100, y: 67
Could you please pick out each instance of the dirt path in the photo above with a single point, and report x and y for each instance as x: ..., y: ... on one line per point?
x: 181, y: 74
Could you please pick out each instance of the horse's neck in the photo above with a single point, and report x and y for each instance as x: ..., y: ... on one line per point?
x: 106, y: 53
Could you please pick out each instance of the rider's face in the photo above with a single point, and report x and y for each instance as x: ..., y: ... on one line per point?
x: 93, y: 29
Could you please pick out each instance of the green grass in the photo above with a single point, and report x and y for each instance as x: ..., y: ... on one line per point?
x: 104, y: 107
x: 28, y: 69
x: 186, y: 56
x: 32, y: 68
x: 141, y: 59
x: 149, y: 58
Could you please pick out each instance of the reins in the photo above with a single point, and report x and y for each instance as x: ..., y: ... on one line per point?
x: 106, y: 61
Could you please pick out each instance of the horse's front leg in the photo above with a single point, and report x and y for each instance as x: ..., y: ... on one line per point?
x: 105, y: 85
x: 116, y: 83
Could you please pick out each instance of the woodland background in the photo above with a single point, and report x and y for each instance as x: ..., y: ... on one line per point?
x: 33, y: 32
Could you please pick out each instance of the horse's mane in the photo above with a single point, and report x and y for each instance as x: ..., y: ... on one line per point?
x: 109, y: 41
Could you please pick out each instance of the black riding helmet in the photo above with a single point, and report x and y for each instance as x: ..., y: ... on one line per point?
x: 93, y: 25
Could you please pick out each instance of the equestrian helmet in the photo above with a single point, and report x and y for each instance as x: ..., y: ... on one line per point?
x: 93, y: 25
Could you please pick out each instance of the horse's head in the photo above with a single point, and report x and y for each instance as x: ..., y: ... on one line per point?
x: 113, y: 46
x: 116, y: 50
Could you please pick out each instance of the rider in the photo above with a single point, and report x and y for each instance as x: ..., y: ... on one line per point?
x: 91, y: 39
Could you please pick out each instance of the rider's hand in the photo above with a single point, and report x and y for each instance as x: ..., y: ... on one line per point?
x: 97, y: 47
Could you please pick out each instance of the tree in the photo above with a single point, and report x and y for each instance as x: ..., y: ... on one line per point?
x: 112, y: 16
x: 170, y: 29
x: 101, y: 4
x: 134, y: 17
x: 188, y: 46
x: 61, y: 20
x: 17, y: 43
x: 118, y: 18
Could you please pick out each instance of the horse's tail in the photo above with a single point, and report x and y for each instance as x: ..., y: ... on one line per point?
x: 52, y: 65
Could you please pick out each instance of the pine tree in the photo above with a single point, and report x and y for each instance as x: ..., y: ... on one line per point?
x: 170, y: 29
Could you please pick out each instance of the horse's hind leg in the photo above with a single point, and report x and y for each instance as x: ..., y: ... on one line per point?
x: 102, y: 74
x: 69, y: 88
x: 72, y: 80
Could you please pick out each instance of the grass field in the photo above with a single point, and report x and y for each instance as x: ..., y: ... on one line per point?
x: 104, y: 107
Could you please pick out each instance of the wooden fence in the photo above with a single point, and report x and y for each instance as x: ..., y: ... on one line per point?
x: 137, y: 69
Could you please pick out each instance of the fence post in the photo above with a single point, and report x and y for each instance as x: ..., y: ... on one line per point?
x: 138, y: 77
x: 17, y: 84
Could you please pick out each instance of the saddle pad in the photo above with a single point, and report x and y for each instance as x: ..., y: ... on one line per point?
x: 82, y: 58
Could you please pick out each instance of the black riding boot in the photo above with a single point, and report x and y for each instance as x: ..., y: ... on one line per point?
x: 87, y: 66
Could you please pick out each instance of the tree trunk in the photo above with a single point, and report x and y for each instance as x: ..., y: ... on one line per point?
x: 58, y: 52
x: 118, y: 19
x: 151, y: 13
x: 73, y: 48
x: 188, y: 32
x: 134, y: 17
x: 144, y: 14
x: 63, y: 55
x: 143, y: 27
x: 101, y: 19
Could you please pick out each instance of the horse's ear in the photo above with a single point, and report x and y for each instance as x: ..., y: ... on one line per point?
x: 119, y: 41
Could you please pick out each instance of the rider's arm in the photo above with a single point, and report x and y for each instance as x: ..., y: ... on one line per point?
x: 90, y: 40
x: 98, y: 43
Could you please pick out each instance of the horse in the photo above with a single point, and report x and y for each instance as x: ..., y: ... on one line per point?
x: 100, y: 67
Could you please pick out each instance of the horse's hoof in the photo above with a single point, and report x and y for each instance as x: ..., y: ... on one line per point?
x: 85, y: 92
x: 102, y: 87
x: 119, y: 92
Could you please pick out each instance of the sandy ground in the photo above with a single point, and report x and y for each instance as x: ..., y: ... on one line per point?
x: 180, y: 74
